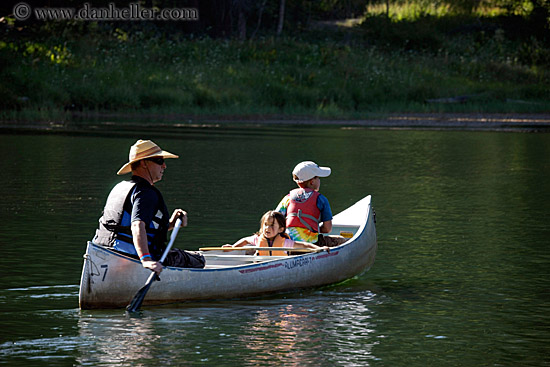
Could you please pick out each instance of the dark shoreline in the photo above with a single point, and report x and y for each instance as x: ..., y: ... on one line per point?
x: 414, y: 121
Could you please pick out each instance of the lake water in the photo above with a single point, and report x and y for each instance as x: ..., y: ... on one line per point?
x: 461, y: 276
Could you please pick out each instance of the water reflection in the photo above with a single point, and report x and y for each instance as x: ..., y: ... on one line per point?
x: 273, y: 335
x: 324, y: 330
x: 316, y: 329
x: 117, y: 340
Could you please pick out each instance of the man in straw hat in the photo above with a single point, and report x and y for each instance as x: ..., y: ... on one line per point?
x: 135, y: 219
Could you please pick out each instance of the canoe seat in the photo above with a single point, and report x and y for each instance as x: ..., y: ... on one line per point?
x: 215, y: 261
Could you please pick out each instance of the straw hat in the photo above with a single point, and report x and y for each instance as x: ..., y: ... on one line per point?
x: 143, y: 149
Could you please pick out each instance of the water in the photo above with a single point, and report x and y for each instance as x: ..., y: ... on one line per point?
x: 461, y: 276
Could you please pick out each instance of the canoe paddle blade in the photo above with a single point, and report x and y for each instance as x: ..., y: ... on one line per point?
x: 140, y: 295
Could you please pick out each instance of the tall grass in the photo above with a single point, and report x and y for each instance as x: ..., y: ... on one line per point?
x: 398, y: 11
x: 384, y: 68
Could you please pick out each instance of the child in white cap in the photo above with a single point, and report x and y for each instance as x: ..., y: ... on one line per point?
x: 307, y: 211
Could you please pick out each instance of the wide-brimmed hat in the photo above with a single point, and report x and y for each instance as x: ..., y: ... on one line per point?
x: 307, y: 170
x: 143, y: 149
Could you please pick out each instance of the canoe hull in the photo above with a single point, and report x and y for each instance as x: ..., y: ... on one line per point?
x: 110, y: 280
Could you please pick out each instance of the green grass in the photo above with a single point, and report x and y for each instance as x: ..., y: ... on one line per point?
x: 377, y: 67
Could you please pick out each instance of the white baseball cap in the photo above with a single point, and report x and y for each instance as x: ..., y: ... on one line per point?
x: 307, y: 170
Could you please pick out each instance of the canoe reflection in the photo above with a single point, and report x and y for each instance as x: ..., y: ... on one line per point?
x: 322, y: 328
x: 117, y: 340
x: 281, y: 335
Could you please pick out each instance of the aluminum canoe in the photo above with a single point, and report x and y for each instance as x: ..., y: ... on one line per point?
x: 110, y: 280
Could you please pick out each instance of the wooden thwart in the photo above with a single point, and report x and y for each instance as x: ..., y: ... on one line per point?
x: 293, y: 249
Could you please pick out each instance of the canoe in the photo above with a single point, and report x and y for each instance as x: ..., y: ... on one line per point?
x: 110, y: 279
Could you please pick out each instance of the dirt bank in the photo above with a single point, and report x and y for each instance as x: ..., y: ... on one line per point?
x: 112, y: 121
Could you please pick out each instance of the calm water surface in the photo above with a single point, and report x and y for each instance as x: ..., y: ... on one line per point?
x: 461, y: 276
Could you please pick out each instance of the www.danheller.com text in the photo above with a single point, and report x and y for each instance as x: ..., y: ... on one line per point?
x: 134, y: 11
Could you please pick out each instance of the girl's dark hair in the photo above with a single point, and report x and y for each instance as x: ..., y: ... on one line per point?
x: 277, y: 216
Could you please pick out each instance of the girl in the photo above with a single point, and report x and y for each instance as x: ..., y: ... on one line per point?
x: 272, y: 234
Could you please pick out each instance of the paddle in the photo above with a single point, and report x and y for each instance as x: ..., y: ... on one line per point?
x: 140, y: 295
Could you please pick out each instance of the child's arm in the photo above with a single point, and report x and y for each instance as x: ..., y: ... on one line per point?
x: 311, y: 246
x: 240, y: 243
x: 326, y: 227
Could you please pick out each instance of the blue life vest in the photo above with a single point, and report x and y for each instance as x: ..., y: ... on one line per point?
x: 115, y: 224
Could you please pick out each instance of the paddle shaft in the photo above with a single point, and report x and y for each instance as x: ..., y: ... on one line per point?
x: 172, y: 239
x: 136, y: 302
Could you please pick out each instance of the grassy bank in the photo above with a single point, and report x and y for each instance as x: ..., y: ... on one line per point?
x: 377, y: 67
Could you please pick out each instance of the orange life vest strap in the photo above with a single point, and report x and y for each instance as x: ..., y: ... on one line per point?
x: 278, y: 242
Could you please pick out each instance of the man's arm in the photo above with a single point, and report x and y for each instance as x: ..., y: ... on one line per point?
x: 139, y: 234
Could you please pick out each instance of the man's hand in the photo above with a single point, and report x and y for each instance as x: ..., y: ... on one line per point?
x: 152, y: 265
x: 178, y: 213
